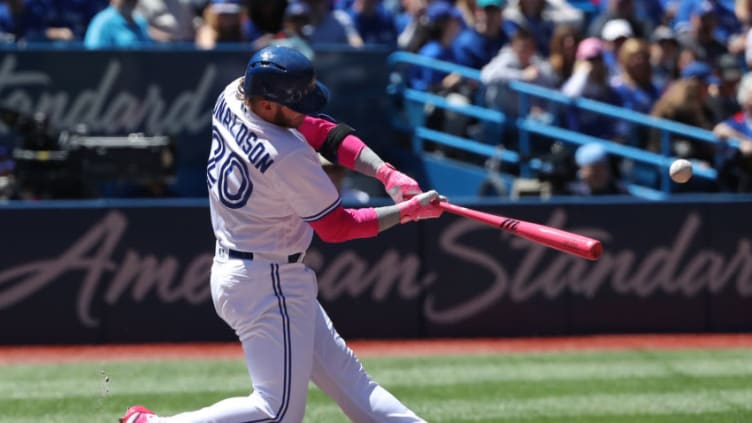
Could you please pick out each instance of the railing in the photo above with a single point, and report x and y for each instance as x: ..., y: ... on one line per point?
x: 399, y: 87
x: 527, y: 126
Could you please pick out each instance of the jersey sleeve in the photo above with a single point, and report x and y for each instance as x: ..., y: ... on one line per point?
x: 308, y: 190
x: 315, y: 130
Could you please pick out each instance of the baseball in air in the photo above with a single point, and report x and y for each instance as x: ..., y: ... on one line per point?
x: 680, y: 171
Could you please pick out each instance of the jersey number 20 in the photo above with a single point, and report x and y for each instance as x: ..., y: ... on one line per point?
x: 227, y: 170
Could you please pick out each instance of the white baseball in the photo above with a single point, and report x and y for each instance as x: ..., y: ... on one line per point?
x: 681, y: 170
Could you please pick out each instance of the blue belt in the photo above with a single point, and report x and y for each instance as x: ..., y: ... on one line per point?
x: 292, y: 258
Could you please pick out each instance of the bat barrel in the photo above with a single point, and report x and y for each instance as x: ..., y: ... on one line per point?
x: 558, y: 239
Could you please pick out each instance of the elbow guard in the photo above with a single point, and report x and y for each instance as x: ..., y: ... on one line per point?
x: 330, y: 147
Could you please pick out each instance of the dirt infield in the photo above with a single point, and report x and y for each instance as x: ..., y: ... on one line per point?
x: 58, y: 354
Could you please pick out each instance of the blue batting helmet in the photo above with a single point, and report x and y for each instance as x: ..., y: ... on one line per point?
x: 285, y: 76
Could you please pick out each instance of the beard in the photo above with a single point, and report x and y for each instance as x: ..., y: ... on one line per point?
x: 280, y: 119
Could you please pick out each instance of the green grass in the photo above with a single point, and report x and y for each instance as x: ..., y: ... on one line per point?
x: 583, y: 387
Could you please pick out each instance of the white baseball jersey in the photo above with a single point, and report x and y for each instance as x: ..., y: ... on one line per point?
x: 265, y: 182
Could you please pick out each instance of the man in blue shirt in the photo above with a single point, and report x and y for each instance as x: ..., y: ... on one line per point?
x: 476, y: 46
x: 117, y: 26
x: 727, y: 23
x: 59, y: 20
x: 374, y: 22
x: 529, y: 14
x: 10, y: 28
x: 443, y: 24
x: 701, y: 36
x: 654, y: 12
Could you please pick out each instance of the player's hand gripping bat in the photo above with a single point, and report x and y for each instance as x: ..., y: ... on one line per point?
x: 558, y: 239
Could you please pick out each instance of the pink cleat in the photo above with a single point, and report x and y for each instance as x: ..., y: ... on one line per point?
x: 137, y: 414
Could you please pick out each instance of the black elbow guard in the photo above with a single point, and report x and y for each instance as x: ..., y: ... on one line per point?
x: 333, y: 140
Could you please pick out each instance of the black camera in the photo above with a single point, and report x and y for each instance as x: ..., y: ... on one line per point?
x: 56, y: 164
x: 558, y: 167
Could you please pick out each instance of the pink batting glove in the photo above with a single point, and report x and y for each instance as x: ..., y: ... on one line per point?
x: 422, y: 206
x: 398, y: 185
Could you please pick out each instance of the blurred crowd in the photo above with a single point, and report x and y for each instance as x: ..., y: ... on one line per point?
x: 684, y: 60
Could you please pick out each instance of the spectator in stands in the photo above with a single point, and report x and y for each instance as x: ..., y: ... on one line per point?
x: 560, y: 12
x: 664, y: 56
x: 686, y: 56
x: 118, y: 26
x: 264, y: 21
x: 518, y: 61
x: 332, y: 26
x: 615, y: 33
x: 564, y: 13
x: 590, y: 80
x: 723, y: 101
x: 170, y: 20
x: 735, y: 166
x: 726, y: 23
x: 467, y: 11
x: 700, y: 36
x: 634, y: 82
x: 528, y: 14
x: 653, y: 12
x: 686, y: 101
x: 58, y: 20
x: 563, y: 52
x: 435, y: 36
x: 620, y: 9
x: 737, y: 38
x: 294, y: 26
x: 407, y: 23
x: 342, y: 4
x: 222, y: 24
x: 595, y: 173
x: 374, y: 22
x: 477, y: 45
x: 744, y: 14
x: 635, y: 87
x: 11, y: 29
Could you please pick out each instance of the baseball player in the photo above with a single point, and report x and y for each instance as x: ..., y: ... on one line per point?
x: 268, y: 194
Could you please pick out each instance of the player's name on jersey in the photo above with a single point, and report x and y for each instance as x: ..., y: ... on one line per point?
x: 246, y: 139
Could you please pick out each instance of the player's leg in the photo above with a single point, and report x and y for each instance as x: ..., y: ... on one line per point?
x: 339, y: 373
x: 272, y: 310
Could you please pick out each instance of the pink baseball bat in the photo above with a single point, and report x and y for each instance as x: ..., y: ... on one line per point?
x: 557, y: 239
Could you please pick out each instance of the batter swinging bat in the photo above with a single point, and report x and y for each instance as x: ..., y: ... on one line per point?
x: 558, y: 239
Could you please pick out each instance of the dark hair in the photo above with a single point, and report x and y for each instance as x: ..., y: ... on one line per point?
x: 267, y: 15
x: 427, y: 30
x: 523, y: 34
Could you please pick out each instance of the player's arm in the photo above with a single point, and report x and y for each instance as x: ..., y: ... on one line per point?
x: 343, y: 224
x: 311, y: 194
x: 336, y: 142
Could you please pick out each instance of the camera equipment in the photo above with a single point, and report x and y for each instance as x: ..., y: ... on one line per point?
x: 72, y: 164
x: 558, y: 167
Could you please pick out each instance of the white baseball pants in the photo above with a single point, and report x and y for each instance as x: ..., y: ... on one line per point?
x: 288, y: 339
